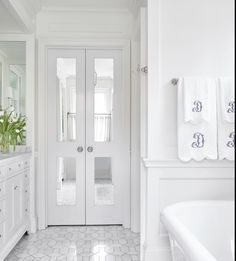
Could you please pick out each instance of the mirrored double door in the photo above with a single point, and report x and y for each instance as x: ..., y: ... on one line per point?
x: 88, y: 138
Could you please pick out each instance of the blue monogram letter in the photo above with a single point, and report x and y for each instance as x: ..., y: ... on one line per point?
x: 200, y: 140
x: 231, y: 108
x: 231, y: 143
x: 198, y: 106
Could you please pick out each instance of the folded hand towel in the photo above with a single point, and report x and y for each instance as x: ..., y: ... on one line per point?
x: 197, y: 99
x: 226, y: 114
x: 197, y: 141
x: 227, y: 99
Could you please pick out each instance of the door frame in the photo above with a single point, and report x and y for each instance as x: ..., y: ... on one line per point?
x: 43, y: 46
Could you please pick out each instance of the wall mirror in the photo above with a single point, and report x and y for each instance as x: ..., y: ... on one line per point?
x: 13, y: 76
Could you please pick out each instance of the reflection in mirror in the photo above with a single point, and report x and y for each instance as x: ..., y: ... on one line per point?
x: 66, y: 80
x: 103, y: 99
x: 104, y: 188
x: 13, y: 77
x: 66, y: 181
x: 1, y: 82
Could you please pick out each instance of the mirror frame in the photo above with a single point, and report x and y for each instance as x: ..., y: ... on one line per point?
x: 29, y: 39
x: 30, y: 82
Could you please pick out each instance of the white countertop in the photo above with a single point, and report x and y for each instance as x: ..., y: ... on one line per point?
x: 12, y: 155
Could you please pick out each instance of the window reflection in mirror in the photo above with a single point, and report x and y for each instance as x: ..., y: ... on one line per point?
x: 13, y: 76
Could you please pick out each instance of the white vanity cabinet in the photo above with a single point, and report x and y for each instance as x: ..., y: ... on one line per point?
x: 14, y: 201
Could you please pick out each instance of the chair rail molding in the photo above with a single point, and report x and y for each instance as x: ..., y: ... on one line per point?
x: 175, y: 163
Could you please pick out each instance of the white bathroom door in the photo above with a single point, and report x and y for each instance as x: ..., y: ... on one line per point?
x: 88, y: 138
x: 66, y: 137
x: 107, y: 139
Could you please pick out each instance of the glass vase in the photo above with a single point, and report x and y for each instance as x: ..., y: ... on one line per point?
x: 4, y: 144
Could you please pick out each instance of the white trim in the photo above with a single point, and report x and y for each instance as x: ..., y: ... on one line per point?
x: 76, y: 9
x: 44, y: 45
x: 14, y: 240
x: 21, y: 15
x: 150, y: 163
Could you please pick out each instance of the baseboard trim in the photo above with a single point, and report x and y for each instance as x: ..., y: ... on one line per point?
x: 12, y: 242
x: 33, y: 225
x: 154, y: 254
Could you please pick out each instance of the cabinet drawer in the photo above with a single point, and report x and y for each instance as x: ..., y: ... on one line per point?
x: 2, y: 209
x: 26, y: 163
x: 2, y: 189
x: 26, y: 206
x: 2, y: 172
x: 26, y: 178
x: 26, y: 191
x: 2, y: 234
x: 17, y: 166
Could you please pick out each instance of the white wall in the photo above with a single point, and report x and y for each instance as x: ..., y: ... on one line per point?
x: 85, y: 24
x: 185, y: 38
x: 195, y: 38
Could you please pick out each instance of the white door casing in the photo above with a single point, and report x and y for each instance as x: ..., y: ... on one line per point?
x: 113, y: 152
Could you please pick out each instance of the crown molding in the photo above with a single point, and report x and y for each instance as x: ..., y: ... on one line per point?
x: 65, y: 9
x: 135, y: 6
x: 3, y: 55
x: 25, y: 17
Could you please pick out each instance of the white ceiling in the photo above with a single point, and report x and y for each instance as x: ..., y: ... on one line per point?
x: 7, y: 22
x: 90, y: 4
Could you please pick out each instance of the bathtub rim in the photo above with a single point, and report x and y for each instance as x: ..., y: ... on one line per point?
x: 190, y: 245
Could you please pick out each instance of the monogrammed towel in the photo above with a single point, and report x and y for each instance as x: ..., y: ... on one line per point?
x: 197, y: 99
x: 226, y: 118
x: 197, y: 135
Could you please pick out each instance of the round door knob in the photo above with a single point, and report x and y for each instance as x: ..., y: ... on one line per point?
x: 90, y: 149
x: 80, y: 149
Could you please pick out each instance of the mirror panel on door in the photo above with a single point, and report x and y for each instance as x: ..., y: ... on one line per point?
x: 66, y: 181
x: 103, y: 180
x: 66, y: 80
x: 103, y: 99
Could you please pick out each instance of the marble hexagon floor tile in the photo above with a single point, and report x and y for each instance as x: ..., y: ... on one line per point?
x: 93, y: 243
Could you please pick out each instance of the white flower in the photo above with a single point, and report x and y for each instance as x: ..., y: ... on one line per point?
x: 1, y: 120
x: 17, y: 131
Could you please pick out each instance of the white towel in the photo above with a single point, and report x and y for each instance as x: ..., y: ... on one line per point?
x: 226, y: 114
x: 197, y: 100
x: 197, y: 141
x: 227, y: 96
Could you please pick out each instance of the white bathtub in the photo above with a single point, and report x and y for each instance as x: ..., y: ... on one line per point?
x: 201, y: 231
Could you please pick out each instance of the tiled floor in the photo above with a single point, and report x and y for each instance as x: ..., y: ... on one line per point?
x: 112, y: 243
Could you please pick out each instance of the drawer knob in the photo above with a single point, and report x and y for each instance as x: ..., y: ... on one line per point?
x: 9, y: 169
x: 0, y: 235
x: 26, y: 191
x: 26, y: 210
x: 16, y: 187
